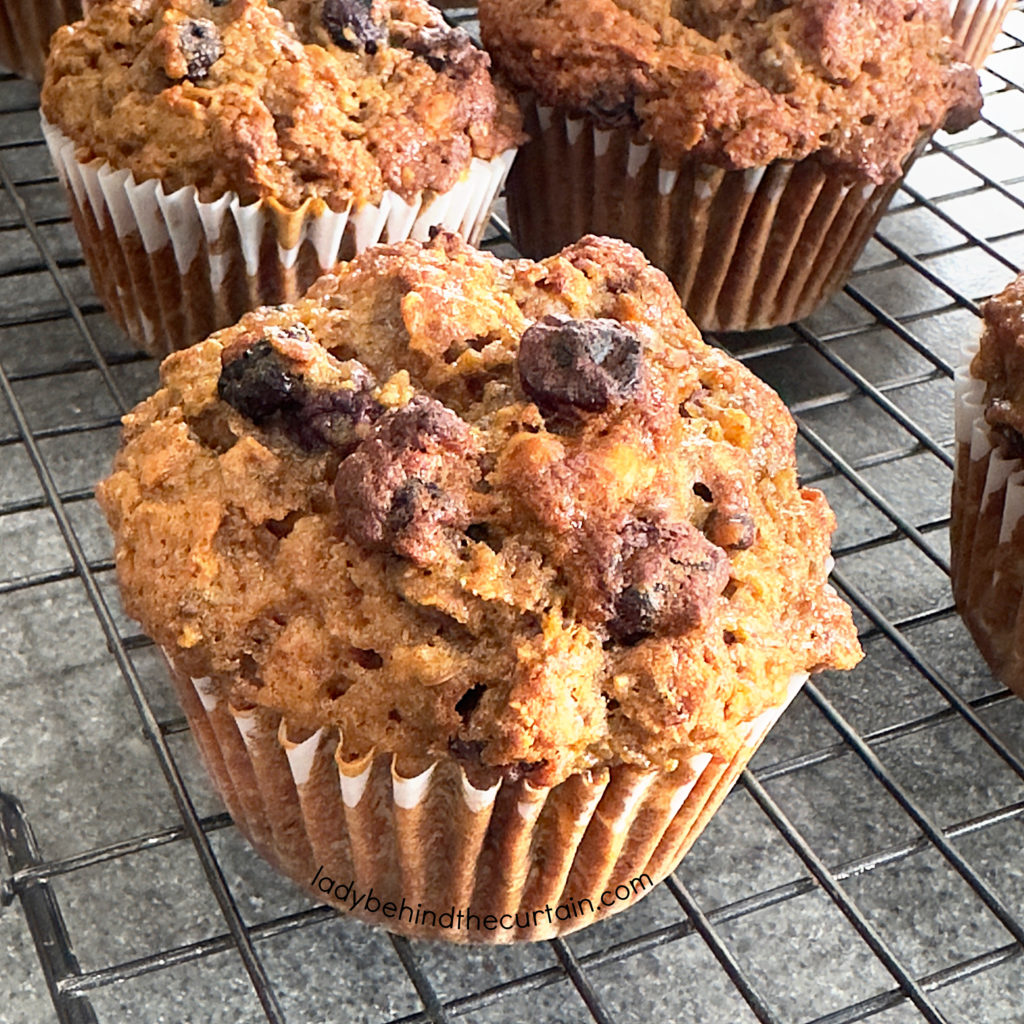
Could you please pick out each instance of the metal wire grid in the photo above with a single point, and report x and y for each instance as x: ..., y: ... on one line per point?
x: 827, y: 368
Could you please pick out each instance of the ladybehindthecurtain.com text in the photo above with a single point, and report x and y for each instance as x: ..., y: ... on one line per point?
x: 346, y: 894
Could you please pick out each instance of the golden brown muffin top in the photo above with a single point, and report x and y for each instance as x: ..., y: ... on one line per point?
x: 294, y: 99
x: 512, y: 513
x: 740, y: 83
x: 1000, y: 363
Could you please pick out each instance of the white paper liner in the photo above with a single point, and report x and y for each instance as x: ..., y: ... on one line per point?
x: 697, y: 765
x: 745, y: 249
x: 968, y: 396
x: 300, y: 755
x: 211, y: 243
x: 435, y: 838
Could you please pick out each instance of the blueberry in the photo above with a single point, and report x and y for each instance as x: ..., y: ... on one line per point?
x: 414, y: 499
x: 201, y: 46
x: 636, y: 614
x: 331, y: 418
x: 567, y: 364
x: 258, y: 385
x: 425, y: 424
x: 734, y: 531
x: 664, y: 580
x: 448, y: 49
x: 391, y: 492
x: 350, y: 25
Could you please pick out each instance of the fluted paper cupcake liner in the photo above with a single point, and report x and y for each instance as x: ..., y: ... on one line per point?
x: 433, y: 856
x: 172, y: 269
x: 744, y: 249
x: 976, y: 23
x: 25, y: 30
x: 987, y: 534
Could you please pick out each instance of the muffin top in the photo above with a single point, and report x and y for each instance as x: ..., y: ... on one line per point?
x: 516, y: 514
x: 336, y: 100
x: 1000, y: 364
x: 740, y: 83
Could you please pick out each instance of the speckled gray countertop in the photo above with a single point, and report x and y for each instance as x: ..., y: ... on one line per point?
x: 874, y: 777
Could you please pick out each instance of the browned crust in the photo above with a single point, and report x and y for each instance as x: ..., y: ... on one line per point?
x: 740, y: 84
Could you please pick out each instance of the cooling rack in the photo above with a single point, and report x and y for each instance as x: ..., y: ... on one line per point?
x: 866, y: 867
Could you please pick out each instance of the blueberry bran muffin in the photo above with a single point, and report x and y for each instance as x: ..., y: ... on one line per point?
x: 512, y: 519
x: 976, y: 24
x: 747, y: 147
x: 988, y: 492
x: 326, y: 123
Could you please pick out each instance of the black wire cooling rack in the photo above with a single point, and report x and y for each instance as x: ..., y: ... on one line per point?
x: 867, y: 866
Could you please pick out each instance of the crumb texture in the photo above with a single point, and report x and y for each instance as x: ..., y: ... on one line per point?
x: 740, y: 83
x: 516, y: 514
x: 326, y: 100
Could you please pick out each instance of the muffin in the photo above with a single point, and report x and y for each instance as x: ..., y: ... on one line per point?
x: 25, y: 30
x: 480, y: 581
x: 986, y: 534
x: 748, y: 149
x: 219, y: 156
